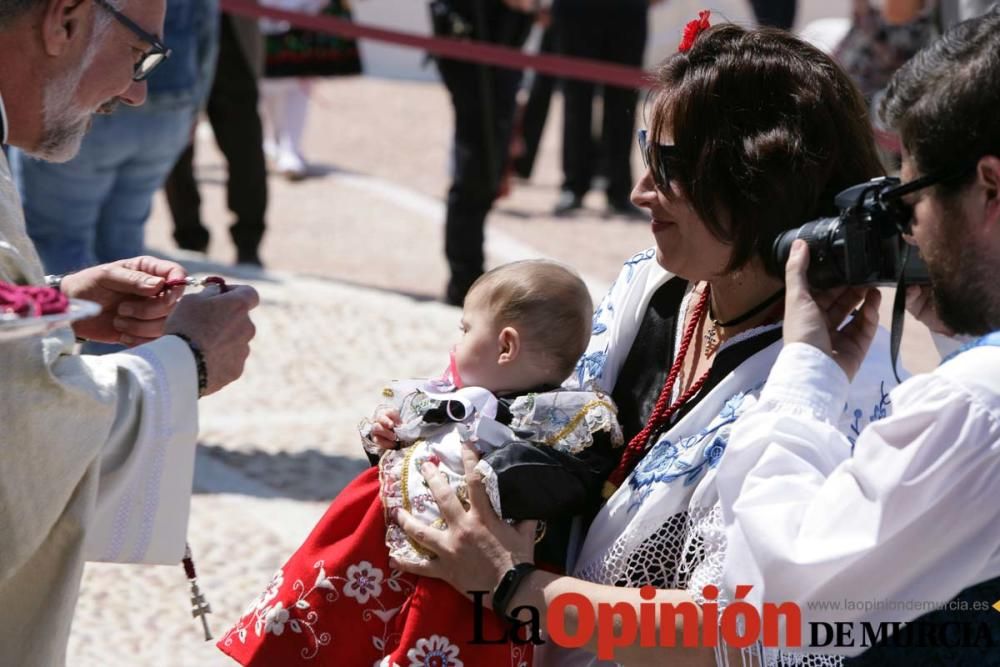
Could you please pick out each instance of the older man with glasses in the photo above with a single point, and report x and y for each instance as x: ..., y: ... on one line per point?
x: 97, y: 452
x: 94, y: 208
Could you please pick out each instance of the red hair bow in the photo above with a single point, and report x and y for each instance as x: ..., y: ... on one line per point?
x: 693, y: 29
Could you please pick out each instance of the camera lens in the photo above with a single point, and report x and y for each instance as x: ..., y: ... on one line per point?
x: 822, y: 236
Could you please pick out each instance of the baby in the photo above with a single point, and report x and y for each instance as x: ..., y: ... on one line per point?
x: 545, y: 455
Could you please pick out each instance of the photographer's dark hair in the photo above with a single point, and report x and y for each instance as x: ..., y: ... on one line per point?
x: 768, y: 130
x: 944, y: 102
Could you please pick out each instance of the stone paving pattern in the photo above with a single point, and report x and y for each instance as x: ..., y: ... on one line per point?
x: 354, y: 265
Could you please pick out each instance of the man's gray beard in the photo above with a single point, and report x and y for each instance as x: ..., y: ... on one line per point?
x: 63, y: 125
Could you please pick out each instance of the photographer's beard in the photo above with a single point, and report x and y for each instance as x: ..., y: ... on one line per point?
x: 963, y: 281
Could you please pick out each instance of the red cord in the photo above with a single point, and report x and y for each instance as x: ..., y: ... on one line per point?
x: 663, y: 410
x: 31, y: 300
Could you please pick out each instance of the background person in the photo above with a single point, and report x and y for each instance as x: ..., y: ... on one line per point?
x: 613, y: 32
x: 484, y: 102
x: 294, y: 57
x: 232, y: 112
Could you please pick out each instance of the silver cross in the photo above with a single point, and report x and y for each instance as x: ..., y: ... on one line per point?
x: 200, y: 608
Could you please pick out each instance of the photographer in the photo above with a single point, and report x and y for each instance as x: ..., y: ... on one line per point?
x: 811, y: 518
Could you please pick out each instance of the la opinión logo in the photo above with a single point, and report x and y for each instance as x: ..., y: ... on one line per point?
x: 739, y: 624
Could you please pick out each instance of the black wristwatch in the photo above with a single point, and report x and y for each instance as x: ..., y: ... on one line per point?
x: 508, y: 585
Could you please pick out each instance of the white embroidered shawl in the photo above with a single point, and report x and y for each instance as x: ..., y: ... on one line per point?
x: 663, y: 525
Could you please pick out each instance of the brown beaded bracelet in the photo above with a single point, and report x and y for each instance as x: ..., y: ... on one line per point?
x: 199, y: 362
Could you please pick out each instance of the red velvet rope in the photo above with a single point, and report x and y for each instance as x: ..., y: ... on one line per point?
x: 663, y: 410
x: 31, y: 300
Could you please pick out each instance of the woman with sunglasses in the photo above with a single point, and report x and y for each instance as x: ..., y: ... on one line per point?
x: 751, y: 132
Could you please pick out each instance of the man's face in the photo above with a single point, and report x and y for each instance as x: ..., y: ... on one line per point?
x: 101, y: 80
x: 960, y: 274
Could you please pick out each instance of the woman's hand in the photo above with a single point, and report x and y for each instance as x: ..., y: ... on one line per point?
x: 383, y: 431
x: 134, y: 307
x: 816, y: 320
x: 920, y: 304
x: 477, y: 547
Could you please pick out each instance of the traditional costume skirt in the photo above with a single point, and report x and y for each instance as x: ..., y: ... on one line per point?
x: 298, y: 52
x: 338, y: 602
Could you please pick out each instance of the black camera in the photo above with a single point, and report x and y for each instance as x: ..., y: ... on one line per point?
x: 861, y: 246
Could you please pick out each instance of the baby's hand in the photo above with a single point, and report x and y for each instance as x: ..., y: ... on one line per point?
x: 383, y: 431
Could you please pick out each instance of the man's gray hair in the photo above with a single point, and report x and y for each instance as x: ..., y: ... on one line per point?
x: 12, y: 9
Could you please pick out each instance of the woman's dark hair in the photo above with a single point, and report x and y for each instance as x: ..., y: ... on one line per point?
x: 768, y: 130
x: 944, y: 101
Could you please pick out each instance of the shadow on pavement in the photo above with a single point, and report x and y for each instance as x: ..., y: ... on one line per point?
x: 308, y: 475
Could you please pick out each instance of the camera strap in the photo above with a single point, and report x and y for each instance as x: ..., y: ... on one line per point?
x: 898, y: 314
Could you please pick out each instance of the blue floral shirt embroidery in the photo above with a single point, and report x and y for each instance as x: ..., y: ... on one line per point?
x: 858, y: 416
x: 590, y: 367
x: 669, y: 462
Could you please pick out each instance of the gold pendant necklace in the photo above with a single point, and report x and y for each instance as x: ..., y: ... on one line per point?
x: 710, y: 338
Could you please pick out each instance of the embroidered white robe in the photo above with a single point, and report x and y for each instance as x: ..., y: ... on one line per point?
x: 96, y: 462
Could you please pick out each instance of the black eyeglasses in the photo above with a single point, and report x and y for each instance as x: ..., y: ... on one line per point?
x: 152, y: 57
x: 656, y: 158
x: 902, y: 211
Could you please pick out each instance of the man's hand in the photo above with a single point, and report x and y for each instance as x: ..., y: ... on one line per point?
x: 817, y: 321
x: 219, y: 324
x: 383, y: 431
x: 920, y: 304
x: 132, y: 309
x: 477, y: 547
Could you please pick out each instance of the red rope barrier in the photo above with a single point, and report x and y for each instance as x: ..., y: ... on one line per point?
x: 457, y: 49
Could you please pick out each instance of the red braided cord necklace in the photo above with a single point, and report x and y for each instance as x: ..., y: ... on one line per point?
x: 663, y: 410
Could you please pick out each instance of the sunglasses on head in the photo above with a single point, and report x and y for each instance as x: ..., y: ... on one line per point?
x: 657, y: 157
x: 153, y: 56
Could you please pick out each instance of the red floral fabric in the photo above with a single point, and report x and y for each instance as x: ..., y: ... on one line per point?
x: 338, y: 602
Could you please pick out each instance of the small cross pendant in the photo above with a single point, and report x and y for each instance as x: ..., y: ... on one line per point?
x: 200, y: 608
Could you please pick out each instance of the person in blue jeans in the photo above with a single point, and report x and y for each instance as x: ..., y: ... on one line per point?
x: 93, y: 209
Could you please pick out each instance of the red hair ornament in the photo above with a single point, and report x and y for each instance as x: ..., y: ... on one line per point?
x: 693, y: 29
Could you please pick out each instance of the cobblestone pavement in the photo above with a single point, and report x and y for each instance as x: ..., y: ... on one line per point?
x: 354, y: 265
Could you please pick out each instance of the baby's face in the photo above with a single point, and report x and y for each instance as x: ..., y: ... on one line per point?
x: 477, y: 353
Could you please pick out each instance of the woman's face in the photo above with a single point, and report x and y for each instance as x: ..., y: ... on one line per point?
x: 684, y: 246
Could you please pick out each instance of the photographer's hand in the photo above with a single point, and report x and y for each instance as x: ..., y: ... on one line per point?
x: 920, y: 304
x: 816, y: 320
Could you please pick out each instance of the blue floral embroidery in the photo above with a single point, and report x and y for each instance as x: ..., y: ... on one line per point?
x: 637, y: 259
x: 598, y: 327
x: 664, y: 464
x: 591, y: 366
x: 879, y: 411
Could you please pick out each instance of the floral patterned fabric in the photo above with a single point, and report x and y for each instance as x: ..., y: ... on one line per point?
x: 337, y: 602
